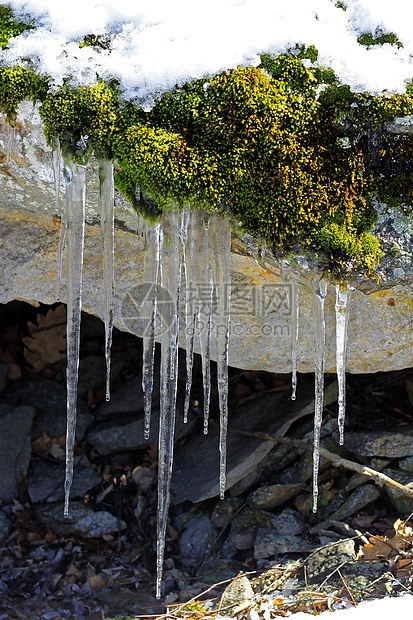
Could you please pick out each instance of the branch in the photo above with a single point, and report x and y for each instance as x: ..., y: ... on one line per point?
x: 378, y: 477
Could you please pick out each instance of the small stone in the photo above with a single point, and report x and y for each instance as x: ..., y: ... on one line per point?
x: 15, y: 448
x: 288, y: 522
x: 245, y: 525
x: 5, y: 526
x: 197, y: 538
x: 46, y: 482
x: 143, y: 477
x: 82, y: 521
x: 269, y: 543
x: 381, y: 443
x: 49, y: 400
x: 127, y: 398
x: 238, y: 592
x: 406, y: 464
x: 267, y: 498
x: 329, y: 557
x: 223, y: 511
x: 359, y: 499
x: 402, y: 503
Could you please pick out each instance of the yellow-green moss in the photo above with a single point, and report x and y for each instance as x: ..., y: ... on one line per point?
x: 10, y: 27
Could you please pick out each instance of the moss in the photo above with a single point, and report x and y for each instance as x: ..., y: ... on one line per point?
x: 10, y: 26
x: 292, y: 154
x: 379, y: 38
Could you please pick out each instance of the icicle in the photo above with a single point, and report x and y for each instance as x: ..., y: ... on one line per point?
x: 10, y: 145
x: 75, y: 210
x: 342, y: 307
x: 320, y: 292
x: 57, y: 172
x: 170, y: 281
x: 290, y: 278
x: 106, y: 208
x: 149, y: 307
x: 189, y: 261
x: 220, y: 240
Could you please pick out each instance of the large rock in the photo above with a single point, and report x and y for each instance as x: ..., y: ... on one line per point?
x: 380, y: 335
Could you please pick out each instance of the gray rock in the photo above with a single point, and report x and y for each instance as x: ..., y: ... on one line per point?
x: 402, y: 503
x: 288, y: 521
x: 5, y: 526
x: 15, y: 448
x: 197, y: 538
x: 46, y: 482
x: 49, y: 399
x: 330, y: 557
x: 83, y: 521
x: 238, y: 592
x: 359, y: 499
x: 406, y: 464
x: 92, y: 372
x: 256, y: 341
x: 267, y: 498
x: 224, y: 509
x: 128, y: 398
x: 126, y: 432
x: 245, y: 526
x: 269, y: 544
x: 272, y: 413
x: 381, y: 443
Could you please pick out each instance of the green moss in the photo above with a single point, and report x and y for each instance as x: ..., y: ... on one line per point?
x: 292, y: 154
x: 10, y: 27
x: 379, y: 38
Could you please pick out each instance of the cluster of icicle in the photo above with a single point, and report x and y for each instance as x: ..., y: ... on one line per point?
x: 185, y: 247
x: 190, y: 248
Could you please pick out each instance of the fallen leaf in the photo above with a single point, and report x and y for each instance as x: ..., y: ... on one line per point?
x: 47, y: 341
x: 45, y: 445
x: 97, y: 581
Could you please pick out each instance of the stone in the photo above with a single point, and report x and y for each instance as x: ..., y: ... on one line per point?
x: 49, y: 400
x: 402, y: 503
x: 381, y: 443
x: 267, y: 498
x: 224, y: 509
x: 245, y: 526
x: 15, y: 448
x: 359, y: 499
x: 288, y: 521
x: 269, y: 544
x: 329, y: 557
x: 406, y: 464
x: 125, y: 399
x: 271, y: 413
x: 380, y: 335
x: 5, y: 526
x: 197, y: 538
x: 82, y: 521
x: 238, y: 592
x: 46, y: 482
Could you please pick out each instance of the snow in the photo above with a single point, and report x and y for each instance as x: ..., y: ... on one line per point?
x: 159, y: 44
x: 379, y: 609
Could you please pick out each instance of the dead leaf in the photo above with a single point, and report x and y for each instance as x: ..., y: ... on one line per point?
x: 46, y: 445
x: 47, y: 341
x: 97, y: 581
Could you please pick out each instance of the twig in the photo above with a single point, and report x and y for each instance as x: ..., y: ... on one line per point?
x: 226, y: 590
x: 347, y: 588
x: 378, y: 477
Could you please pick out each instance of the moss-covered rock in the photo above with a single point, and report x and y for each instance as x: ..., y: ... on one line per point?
x: 296, y: 157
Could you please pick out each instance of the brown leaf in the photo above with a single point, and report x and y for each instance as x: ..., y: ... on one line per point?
x: 47, y: 341
x: 46, y: 445
x: 97, y: 581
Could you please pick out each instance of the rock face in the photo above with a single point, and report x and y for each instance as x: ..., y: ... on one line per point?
x: 380, y: 335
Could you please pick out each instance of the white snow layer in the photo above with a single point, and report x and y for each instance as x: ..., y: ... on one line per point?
x: 158, y: 44
x: 379, y: 609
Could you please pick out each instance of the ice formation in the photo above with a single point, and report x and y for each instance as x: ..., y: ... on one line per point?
x: 75, y: 223
x: 319, y: 295
x: 342, y: 310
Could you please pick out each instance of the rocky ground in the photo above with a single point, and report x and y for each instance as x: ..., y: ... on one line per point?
x: 258, y: 554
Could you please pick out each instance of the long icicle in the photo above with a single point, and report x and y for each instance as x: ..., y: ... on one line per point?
x: 188, y: 239
x: 75, y: 210
x: 290, y: 279
x: 170, y: 282
x: 57, y: 173
x: 106, y: 208
x: 220, y: 238
x: 342, y: 308
x: 151, y: 270
x: 319, y: 295
x: 205, y: 292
